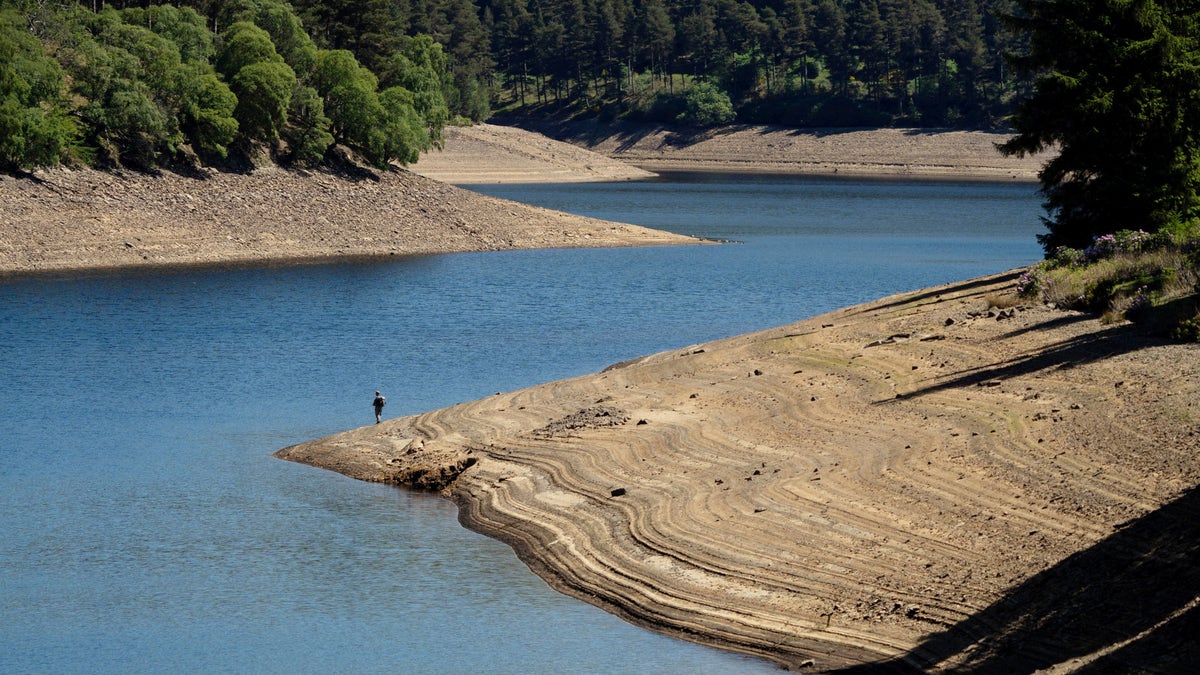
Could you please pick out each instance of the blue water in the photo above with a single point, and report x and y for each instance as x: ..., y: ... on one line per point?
x: 146, y: 527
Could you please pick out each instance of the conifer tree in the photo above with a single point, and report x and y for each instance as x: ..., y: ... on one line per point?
x: 1116, y: 94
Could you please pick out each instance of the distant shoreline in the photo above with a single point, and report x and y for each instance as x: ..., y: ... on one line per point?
x: 70, y: 222
x: 593, y: 151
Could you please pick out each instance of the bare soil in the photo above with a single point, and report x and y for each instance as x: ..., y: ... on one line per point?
x: 921, y: 483
x: 63, y: 221
x: 490, y: 153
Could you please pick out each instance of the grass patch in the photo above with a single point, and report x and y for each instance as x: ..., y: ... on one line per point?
x: 1003, y: 300
x: 1151, y: 280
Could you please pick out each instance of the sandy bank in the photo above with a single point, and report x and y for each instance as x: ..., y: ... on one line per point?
x: 920, y: 483
x: 491, y: 153
x: 487, y: 153
x: 65, y: 221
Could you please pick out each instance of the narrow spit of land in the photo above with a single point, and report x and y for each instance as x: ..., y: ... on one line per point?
x: 925, y: 482
x: 63, y: 221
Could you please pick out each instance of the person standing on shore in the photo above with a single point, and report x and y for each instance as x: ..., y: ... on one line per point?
x: 379, y: 402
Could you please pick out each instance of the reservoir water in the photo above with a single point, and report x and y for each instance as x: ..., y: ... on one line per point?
x: 146, y: 527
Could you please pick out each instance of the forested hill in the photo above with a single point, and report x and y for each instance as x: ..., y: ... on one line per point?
x: 207, y: 81
x: 792, y: 62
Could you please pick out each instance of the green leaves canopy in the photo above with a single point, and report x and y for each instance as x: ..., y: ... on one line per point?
x: 34, y: 130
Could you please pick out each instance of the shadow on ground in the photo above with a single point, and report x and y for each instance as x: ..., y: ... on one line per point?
x: 1069, y: 353
x: 1131, y: 599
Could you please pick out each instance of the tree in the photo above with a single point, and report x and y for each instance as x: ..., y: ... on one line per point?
x: 1116, y: 94
x: 420, y: 69
x: 403, y: 134
x: 261, y: 80
x: 206, y: 109
x: 34, y: 127
x: 707, y: 105
x: 307, y: 133
x: 351, y: 99
x: 830, y: 37
x: 280, y: 22
x: 124, y: 78
x: 264, y: 92
x: 656, y: 36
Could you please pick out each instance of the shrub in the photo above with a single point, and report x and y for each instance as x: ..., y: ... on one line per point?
x: 706, y: 105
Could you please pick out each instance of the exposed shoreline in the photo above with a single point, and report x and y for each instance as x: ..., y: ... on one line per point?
x: 921, y: 482
x: 64, y: 222
x: 917, y: 483
x: 72, y: 222
x: 621, y: 151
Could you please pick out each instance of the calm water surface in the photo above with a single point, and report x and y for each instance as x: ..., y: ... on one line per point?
x: 146, y: 528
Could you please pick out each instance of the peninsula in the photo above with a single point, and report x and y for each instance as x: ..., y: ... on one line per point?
x: 943, y: 480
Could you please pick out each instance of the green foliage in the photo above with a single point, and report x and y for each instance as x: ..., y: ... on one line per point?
x: 138, y: 99
x: 260, y: 80
x: 403, y: 133
x: 34, y: 130
x: 1151, y: 280
x: 243, y: 44
x: 282, y: 25
x: 419, y: 70
x: 1115, y: 95
x: 351, y: 99
x: 126, y: 77
x: 183, y: 26
x: 307, y: 134
x: 264, y: 92
x: 707, y: 105
x: 206, y: 109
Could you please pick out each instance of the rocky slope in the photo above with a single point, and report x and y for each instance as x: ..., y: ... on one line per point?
x: 62, y: 220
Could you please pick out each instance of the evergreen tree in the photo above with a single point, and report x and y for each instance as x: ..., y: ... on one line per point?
x: 1116, y: 95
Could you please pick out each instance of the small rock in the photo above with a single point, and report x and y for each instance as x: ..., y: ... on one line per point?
x: 949, y: 321
x: 617, y: 492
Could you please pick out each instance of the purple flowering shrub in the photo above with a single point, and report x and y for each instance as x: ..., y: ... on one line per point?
x: 1126, y: 241
x: 1150, y: 279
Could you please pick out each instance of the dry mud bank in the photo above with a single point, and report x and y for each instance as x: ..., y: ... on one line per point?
x: 487, y: 153
x: 918, y: 483
x: 63, y: 221
x: 883, y: 153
